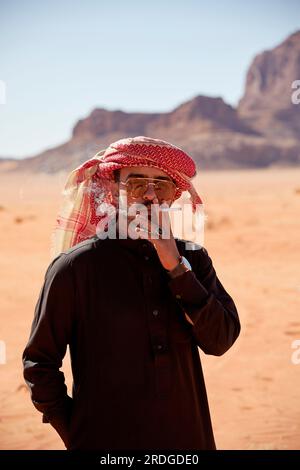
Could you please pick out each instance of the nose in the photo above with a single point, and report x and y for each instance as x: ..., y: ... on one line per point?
x: 149, y: 194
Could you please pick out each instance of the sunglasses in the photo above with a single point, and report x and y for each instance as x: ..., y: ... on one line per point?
x: 136, y: 187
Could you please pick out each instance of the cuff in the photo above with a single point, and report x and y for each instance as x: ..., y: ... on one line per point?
x: 59, y: 413
x: 187, y: 288
x: 191, y: 295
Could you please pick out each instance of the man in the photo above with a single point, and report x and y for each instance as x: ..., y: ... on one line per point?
x: 133, y: 310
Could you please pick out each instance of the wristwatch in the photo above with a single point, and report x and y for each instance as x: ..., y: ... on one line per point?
x: 182, y: 267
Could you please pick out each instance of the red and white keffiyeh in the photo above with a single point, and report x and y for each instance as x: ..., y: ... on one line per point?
x: 90, y: 184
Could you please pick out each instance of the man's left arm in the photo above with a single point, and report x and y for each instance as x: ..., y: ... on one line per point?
x: 207, y: 306
x: 44, y: 352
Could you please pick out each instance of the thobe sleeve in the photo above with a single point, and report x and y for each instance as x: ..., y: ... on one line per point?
x: 50, y: 333
x: 210, y: 309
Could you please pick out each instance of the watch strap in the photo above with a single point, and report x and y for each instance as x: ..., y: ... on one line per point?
x: 179, y: 269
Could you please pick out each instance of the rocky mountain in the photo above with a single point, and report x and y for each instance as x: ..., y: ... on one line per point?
x: 264, y: 130
x: 267, y: 102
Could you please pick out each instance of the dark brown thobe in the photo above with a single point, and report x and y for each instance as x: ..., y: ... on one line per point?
x: 137, y: 375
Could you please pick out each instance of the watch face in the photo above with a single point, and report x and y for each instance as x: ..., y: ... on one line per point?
x: 186, y: 263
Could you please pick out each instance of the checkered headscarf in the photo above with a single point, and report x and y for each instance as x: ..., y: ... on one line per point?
x: 89, y: 184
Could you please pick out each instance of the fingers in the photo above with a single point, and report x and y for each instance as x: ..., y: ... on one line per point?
x: 146, y: 227
x: 152, y: 223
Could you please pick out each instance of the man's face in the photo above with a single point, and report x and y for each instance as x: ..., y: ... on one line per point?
x: 133, y: 188
x: 130, y: 177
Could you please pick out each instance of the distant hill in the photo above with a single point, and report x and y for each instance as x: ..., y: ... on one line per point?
x: 8, y: 163
x: 264, y: 130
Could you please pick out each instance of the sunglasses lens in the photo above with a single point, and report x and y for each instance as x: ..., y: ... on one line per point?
x: 164, y: 190
x: 138, y: 186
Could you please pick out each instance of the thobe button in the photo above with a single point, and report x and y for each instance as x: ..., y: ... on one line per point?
x: 159, y: 346
x: 155, y: 313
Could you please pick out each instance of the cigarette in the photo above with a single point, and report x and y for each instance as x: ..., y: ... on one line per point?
x: 167, y: 209
x: 163, y: 209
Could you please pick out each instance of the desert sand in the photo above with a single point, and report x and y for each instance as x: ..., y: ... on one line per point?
x: 253, y: 237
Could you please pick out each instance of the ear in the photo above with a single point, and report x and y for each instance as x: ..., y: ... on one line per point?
x: 114, y: 189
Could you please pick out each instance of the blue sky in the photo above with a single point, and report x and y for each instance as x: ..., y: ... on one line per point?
x: 61, y: 59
